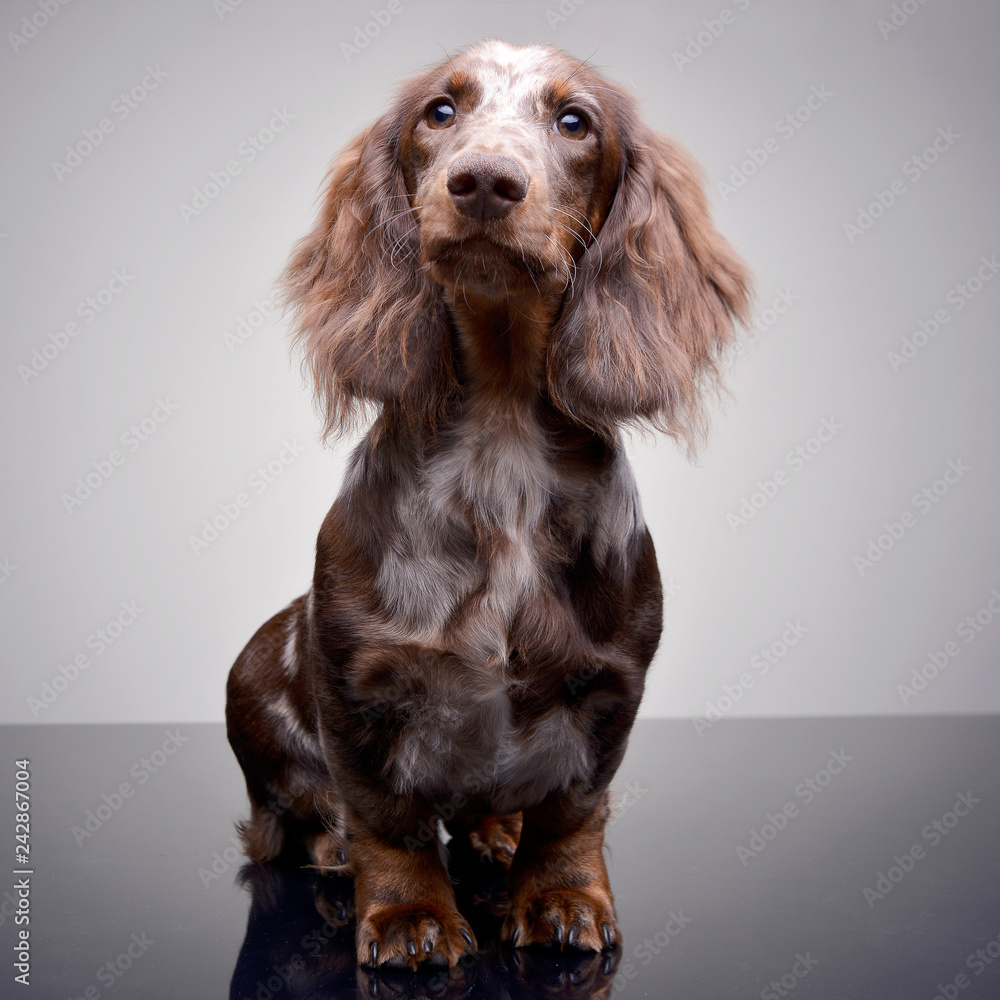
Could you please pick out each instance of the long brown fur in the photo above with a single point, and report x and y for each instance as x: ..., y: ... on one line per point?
x: 507, y: 268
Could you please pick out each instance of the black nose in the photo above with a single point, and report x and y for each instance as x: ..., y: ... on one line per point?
x: 486, y: 185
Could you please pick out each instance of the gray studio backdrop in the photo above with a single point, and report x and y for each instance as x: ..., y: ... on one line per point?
x: 834, y: 548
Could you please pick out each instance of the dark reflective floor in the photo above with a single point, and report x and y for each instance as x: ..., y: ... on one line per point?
x: 805, y: 858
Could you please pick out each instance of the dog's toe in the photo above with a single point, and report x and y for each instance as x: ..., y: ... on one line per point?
x: 407, y: 936
x: 574, y: 919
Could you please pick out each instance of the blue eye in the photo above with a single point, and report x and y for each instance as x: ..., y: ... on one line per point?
x: 572, y: 125
x: 440, y: 115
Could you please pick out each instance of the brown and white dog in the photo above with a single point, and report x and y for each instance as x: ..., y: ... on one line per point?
x: 507, y: 268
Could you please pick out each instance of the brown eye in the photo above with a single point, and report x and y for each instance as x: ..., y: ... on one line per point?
x: 572, y: 125
x: 440, y: 115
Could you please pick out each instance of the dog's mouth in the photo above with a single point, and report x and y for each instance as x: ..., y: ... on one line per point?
x: 489, y: 265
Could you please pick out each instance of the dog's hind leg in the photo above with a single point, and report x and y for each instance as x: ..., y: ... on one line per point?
x: 294, y: 806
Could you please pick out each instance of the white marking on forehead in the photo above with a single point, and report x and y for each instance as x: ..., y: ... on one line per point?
x: 510, y: 77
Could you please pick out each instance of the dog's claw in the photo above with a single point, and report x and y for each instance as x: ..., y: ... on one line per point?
x: 428, y: 945
x: 465, y: 934
x: 573, y: 936
x: 608, y: 935
x: 411, y: 948
x: 515, y: 936
x: 341, y: 857
x: 374, y: 952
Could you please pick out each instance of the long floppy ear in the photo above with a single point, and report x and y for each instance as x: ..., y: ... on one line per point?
x: 653, y: 302
x: 371, y: 325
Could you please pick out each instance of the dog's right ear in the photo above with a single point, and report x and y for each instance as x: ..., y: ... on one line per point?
x: 373, y: 328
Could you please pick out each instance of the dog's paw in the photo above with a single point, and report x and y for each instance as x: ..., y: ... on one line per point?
x: 579, y: 919
x: 496, y: 837
x: 406, y: 936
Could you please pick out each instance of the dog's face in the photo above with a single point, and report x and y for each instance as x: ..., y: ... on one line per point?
x: 512, y: 182
x: 511, y: 158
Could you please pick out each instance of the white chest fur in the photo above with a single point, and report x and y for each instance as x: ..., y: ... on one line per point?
x: 492, y: 477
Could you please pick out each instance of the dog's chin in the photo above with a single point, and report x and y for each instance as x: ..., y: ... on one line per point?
x: 487, y: 269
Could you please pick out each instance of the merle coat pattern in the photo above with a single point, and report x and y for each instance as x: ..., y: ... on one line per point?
x: 507, y: 268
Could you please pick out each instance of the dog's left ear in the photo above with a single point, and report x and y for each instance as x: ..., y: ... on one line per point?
x: 653, y: 302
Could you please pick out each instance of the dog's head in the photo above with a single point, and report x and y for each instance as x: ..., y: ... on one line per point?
x: 511, y: 178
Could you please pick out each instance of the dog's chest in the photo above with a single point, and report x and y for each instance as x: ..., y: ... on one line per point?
x: 460, y: 742
x: 465, y: 552
x: 474, y: 546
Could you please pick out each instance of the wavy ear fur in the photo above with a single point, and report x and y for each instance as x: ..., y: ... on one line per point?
x: 653, y: 302
x: 371, y: 325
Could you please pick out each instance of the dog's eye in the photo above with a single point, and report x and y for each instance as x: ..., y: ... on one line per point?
x: 572, y: 125
x: 440, y: 115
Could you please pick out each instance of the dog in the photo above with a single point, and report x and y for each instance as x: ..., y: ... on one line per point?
x: 508, y: 268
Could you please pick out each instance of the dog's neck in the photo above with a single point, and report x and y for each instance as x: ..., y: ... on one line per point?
x: 502, y: 343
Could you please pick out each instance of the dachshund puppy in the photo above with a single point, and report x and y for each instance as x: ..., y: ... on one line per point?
x: 508, y: 268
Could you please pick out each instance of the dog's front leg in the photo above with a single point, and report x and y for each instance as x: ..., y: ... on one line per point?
x: 559, y: 888
x: 404, y: 900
